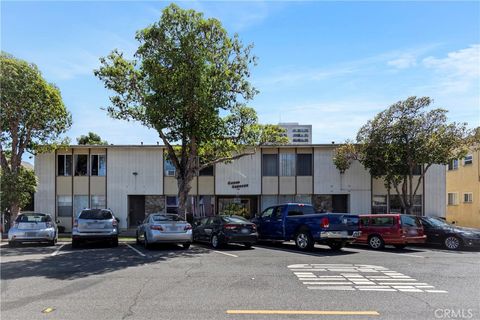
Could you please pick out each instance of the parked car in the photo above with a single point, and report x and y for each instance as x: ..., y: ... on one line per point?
x: 452, y: 237
x: 300, y: 222
x: 95, y: 225
x: 33, y: 227
x: 224, y: 229
x: 164, y: 228
x: 398, y: 230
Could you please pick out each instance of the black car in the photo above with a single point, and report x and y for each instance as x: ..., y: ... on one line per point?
x: 223, y: 229
x: 438, y: 231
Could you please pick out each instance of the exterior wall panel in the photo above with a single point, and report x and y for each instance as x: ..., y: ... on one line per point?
x: 97, y: 185
x: 206, y: 185
x: 45, y: 199
x: 435, y: 191
x: 269, y: 185
x: 132, y: 171
x: 80, y: 185
x: 64, y: 186
x: 287, y: 185
x: 304, y: 185
x: 246, y: 171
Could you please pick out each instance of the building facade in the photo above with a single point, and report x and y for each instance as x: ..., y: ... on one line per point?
x: 463, y: 190
x: 297, y: 133
x: 136, y: 180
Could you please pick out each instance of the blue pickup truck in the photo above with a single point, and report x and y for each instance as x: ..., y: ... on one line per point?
x: 300, y: 222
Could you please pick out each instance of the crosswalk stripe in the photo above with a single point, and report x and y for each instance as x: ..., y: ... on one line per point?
x: 326, y: 283
x: 332, y: 288
x: 373, y: 289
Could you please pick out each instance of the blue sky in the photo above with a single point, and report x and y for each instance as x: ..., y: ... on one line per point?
x: 330, y: 64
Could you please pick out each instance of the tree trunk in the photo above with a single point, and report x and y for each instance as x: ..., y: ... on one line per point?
x: 14, y: 210
x: 183, y: 190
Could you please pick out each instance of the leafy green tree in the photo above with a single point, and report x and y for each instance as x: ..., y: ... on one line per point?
x: 189, y: 81
x: 91, y: 139
x: 32, y: 117
x: 402, y: 139
x: 17, y: 188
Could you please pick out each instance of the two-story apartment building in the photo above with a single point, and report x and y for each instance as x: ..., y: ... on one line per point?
x: 463, y: 190
x: 137, y: 180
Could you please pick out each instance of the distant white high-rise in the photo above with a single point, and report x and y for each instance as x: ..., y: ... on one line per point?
x: 298, y: 133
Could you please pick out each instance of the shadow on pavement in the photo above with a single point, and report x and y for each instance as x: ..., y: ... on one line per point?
x: 88, y: 260
x: 27, y: 249
x: 317, y: 251
x: 417, y: 248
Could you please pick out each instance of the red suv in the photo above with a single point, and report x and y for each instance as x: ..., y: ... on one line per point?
x: 394, y: 229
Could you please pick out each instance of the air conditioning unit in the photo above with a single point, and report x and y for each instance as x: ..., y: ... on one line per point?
x: 170, y: 173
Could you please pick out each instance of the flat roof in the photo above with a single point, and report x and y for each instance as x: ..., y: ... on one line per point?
x: 163, y: 146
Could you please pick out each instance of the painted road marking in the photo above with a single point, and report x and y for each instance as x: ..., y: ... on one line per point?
x: 58, y: 250
x: 137, y: 251
x: 357, y: 277
x: 306, y: 312
x: 227, y: 254
x: 48, y: 310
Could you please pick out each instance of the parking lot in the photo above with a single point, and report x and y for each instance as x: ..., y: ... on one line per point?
x: 265, y: 282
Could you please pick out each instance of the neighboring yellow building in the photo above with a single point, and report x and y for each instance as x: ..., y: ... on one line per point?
x: 463, y: 190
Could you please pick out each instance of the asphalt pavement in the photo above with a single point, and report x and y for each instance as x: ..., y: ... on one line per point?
x: 265, y: 282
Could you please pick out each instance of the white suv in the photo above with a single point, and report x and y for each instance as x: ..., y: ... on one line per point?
x: 94, y: 225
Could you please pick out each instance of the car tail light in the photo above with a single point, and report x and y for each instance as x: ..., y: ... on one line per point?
x: 229, y: 227
x: 187, y: 227
x: 325, y: 223
x: 159, y: 228
x: 254, y: 227
x: 75, y: 223
x: 114, y: 223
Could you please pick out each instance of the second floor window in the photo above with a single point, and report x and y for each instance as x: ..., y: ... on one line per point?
x: 468, y: 159
x: 304, y: 164
x: 64, y: 164
x: 169, y: 167
x: 98, y: 165
x: 453, y: 165
x: 81, y: 164
x: 270, y: 165
x: 287, y: 164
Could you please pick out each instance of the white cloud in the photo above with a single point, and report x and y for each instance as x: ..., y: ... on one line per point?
x: 406, y: 60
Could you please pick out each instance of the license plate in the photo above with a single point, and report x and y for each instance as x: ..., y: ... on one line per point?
x: 30, y: 234
x: 356, y: 233
x: 245, y: 230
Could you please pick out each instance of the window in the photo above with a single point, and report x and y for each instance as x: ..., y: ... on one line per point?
x: 208, y: 171
x: 64, y: 205
x: 468, y: 159
x: 98, y: 165
x: 452, y: 199
x: 287, y: 164
x: 172, y: 204
x: 410, y: 221
x: 300, y: 210
x: 270, y: 165
x: 268, y: 212
x: 64, y: 165
x: 304, y: 164
x: 381, y: 221
x: 396, y: 205
x: 80, y: 202
x: 379, y: 204
x: 169, y: 167
x: 417, y: 170
x: 95, y: 214
x: 98, y: 202
x: 468, y: 197
x: 453, y: 165
x: 81, y: 164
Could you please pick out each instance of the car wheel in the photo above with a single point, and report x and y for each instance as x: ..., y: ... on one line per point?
x: 247, y: 245
x: 376, y: 242
x: 304, y: 240
x: 114, y: 242
x: 137, y: 239
x: 215, y: 241
x: 186, y: 245
x: 52, y: 242
x: 12, y: 243
x: 75, y: 243
x: 146, y: 244
x: 400, y: 246
x: 452, y: 243
x: 336, y: 245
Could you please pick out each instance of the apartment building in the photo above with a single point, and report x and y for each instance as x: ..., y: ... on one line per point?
x: 137, y: 180
x: 463, y: 190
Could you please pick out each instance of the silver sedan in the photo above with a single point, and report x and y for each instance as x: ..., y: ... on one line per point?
x: 164, y: 228
x: 33, y: 227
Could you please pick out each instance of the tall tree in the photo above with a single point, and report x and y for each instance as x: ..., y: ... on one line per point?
x: 189, y: 81
x: 32, y: 116
x: 91, y: 139
x: 402, y: 139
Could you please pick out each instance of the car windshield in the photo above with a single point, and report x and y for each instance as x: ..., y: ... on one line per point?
x: 166, y: 217
x: 437, y: 222
x: 95, y: 214
x: 234, y: 219
x: 33, y: 218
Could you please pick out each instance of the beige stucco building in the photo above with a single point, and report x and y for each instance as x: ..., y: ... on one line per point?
x: 463, y: 190
x: 137, y: 180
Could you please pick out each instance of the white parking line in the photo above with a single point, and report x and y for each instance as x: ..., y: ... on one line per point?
x: 58, y: 250
x: 227, y: 254
x: 137, y: 251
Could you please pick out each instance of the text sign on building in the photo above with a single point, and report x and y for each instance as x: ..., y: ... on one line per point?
x: 237, y: 184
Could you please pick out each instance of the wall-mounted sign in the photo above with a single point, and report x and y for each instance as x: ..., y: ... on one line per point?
x: 237, y: 185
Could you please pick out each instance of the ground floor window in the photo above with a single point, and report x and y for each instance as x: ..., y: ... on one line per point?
x: 80, y: 202
x: 64, y: 206
x: 392, y: 204
x: 331, y: 203
x: 379, y: 204
x: 245, y: 206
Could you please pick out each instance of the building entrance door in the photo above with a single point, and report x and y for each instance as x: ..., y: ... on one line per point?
x: 136, y: 210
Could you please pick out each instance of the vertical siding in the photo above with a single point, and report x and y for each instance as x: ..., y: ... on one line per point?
x: 435, y: 191
x: 45, y: 171
x: 246, y: 170
x: 121, y: 164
